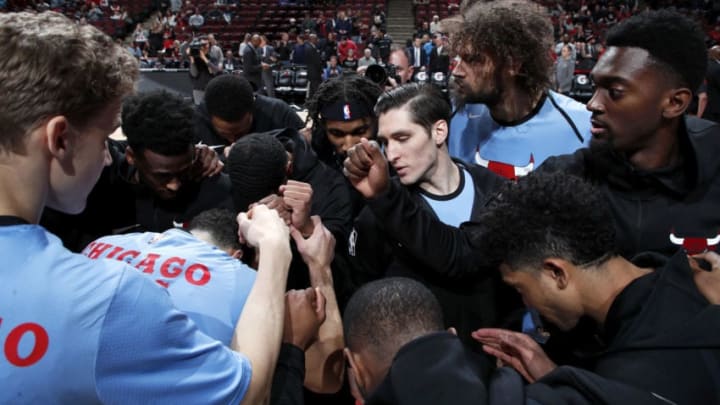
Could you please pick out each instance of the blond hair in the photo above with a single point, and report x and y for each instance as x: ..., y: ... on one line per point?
x: 51, y: 66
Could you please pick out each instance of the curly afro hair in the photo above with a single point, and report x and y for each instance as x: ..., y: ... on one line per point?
x: 508, y: 30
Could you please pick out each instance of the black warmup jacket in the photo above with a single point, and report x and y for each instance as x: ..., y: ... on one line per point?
x: 565, y: 385
x: 331, y: 201
x: 660, y: 344
x: 399, y: 235
x: 434, y: 369
x: 663, y: 336
x: 118, y: 205
x: 268, y: 114
x: 661, y: 210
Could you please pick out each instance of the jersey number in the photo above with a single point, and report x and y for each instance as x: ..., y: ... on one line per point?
x: 11, y: 348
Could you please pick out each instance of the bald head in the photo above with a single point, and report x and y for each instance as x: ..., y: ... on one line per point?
x: 714, y: 52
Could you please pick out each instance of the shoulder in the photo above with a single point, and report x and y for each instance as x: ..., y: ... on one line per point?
x: 704, y: 137
x: 569, y: 104
x: 571, y: 163
x: 278, y: 110
x: 142, y: 325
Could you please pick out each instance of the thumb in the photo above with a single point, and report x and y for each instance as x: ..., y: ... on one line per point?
x: 320, y: 304
x: 296, y: 235
x: 372, y: 148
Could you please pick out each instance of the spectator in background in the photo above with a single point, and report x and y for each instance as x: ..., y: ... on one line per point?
x: 332, y: 69
x: 434, y: 24
x: 299, y: 50
x: 350, y: 64
x: 565, y: 41
x: 367, y: 58
x: 378, y: 17
x: 424, y: 29
x: 439, y: 56
x: 244, y: 44
x: 196, y: 20
x: 417, y: 54
x: 428, y: 46
x: 381, y: 46
x: 403, y: 69
x: 564, y: 71
x: 252, y: 63
x: 215, y: 55
x: 343, y: 25
x: 328, y: 46
x: 231, y: 63
x: 268, y: 59
x: 95, y: 13
x: 202, y: 68
x: 314, y: 65
x: 345, y: 44
x: 283, y: 48
x: 308, y: 23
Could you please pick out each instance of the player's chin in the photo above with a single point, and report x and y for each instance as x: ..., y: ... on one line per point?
x: 68, y: 207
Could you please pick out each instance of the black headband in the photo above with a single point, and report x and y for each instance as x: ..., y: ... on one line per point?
x: 344, y: 111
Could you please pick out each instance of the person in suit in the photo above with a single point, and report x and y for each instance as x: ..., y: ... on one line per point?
x: 314, y: 64
x: 439, y: 57
x: 267, y: 59
x: 416, y: 54
x: 252, y: 66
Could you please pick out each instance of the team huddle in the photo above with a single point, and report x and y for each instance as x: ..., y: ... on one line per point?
x: 499, y: 244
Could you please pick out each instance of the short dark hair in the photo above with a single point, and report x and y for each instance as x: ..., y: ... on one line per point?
x: 221, y: 225
x: 508, y: 29
x: 355, y: 88
x: 675, y: 43
x: 385, y: 314
x: 545, y: 215
x: 257, y: 166
x: 159, y: 121
x: 426, y: 102
x: 229, y: 97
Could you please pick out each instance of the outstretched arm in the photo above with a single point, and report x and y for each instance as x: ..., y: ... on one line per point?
x: 259, y: 329
x: 324, y: 359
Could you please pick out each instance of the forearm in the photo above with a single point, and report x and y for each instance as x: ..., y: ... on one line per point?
x: 213, y: 68
x: 258, y: 332
x: 324, y: 361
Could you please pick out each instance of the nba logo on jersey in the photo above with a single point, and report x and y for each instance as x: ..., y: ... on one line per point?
x: 346, y: 112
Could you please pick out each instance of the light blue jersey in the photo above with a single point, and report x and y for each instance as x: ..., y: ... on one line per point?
x: 203, y: 281
x: 455, y: 208
x: 514, y: 151
x: 76, y: 330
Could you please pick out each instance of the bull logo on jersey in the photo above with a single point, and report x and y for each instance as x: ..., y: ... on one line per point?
x: 504, y: 169
x: 695, y: 245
